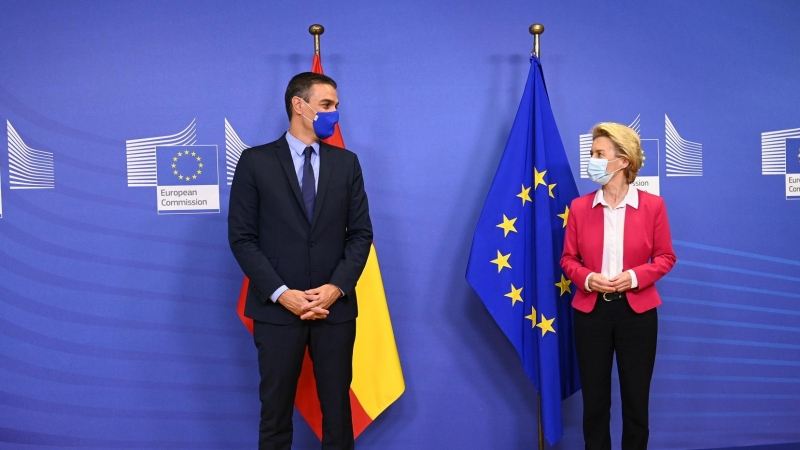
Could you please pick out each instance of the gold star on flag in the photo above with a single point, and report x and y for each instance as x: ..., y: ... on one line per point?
x: 525, y: 194
x: 507, y: 225
x: 501, y: 261
x: 551, y: 186
x: 538, y: 178
x: 194, y: 154
x: 180, y: 153
x: 199, y: 172
x: 200, y: 165
x: 564, y: 285
x: 532, y: 317
x: 546, y: 325
x: 514, y: 295
x: 564, y: 216
x: 174, y: 165
x: 194, y: 177
x: 187, y: 179
x: 186, y: 152
x: 180, y: 177
x: 174, y: 172
x: 198, y: 158
x: 174, y: 158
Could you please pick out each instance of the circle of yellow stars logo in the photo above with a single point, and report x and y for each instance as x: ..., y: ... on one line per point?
x: 183, y: 156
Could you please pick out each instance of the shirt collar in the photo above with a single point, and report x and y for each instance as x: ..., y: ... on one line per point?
x: 297, y: 146
x: 631, y: 198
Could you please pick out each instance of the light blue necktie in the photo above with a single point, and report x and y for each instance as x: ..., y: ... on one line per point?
x: 309, y: 189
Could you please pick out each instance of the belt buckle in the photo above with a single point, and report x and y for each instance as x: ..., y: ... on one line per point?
x: 604, y: 297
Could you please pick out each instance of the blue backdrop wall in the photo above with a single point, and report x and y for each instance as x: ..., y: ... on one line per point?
x: 118, y: 325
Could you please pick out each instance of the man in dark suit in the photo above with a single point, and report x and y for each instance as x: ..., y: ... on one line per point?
x: 299, y: 227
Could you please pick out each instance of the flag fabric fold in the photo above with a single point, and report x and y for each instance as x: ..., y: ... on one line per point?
x: 514, y: 262
x: 377, y: 374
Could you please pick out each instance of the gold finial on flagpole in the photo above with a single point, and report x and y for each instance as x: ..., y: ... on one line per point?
x: 536, y: 29
x: 316, y: 30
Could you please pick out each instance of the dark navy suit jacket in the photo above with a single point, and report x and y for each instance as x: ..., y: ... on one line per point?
x: 274, y: 242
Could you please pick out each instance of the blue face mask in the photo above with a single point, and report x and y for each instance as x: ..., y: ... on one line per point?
x: 324, y: 122
x: 597, y: 170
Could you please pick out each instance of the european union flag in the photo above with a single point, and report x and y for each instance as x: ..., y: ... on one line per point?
x: 187, y: 165
x: 514, y: 263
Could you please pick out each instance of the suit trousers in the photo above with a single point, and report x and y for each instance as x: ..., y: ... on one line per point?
x: 281, y: 349
x: 614, y: 328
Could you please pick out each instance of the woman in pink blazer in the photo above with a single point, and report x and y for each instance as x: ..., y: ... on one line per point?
x: 616, y: 247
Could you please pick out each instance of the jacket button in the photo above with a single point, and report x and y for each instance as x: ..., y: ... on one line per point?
x: 310, y: 244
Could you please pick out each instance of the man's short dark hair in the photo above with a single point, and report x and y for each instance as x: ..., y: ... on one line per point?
x: 300, y: 86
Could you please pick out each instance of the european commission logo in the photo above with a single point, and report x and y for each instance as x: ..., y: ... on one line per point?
x: 184, y: 174
x: 187, y: 179
x: 683, y: 158
x: 780, y: 155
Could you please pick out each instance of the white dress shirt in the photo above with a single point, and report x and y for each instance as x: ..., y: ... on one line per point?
x: 614, y: 235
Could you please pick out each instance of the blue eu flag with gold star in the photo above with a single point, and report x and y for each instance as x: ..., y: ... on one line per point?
x: 514, y: 262
x: 189, y: 165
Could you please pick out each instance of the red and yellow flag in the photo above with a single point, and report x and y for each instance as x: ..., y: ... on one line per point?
x: 377, y: 375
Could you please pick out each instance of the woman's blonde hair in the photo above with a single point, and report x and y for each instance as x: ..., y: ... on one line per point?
x: 626, y: 145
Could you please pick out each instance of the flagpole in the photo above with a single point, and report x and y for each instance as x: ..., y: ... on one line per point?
x: 537, y: 29
x: 317, y: 31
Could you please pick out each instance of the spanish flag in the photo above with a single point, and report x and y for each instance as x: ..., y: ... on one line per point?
x: 377, y: 375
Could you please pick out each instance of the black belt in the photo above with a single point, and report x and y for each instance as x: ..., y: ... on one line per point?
x: 611, y: 296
